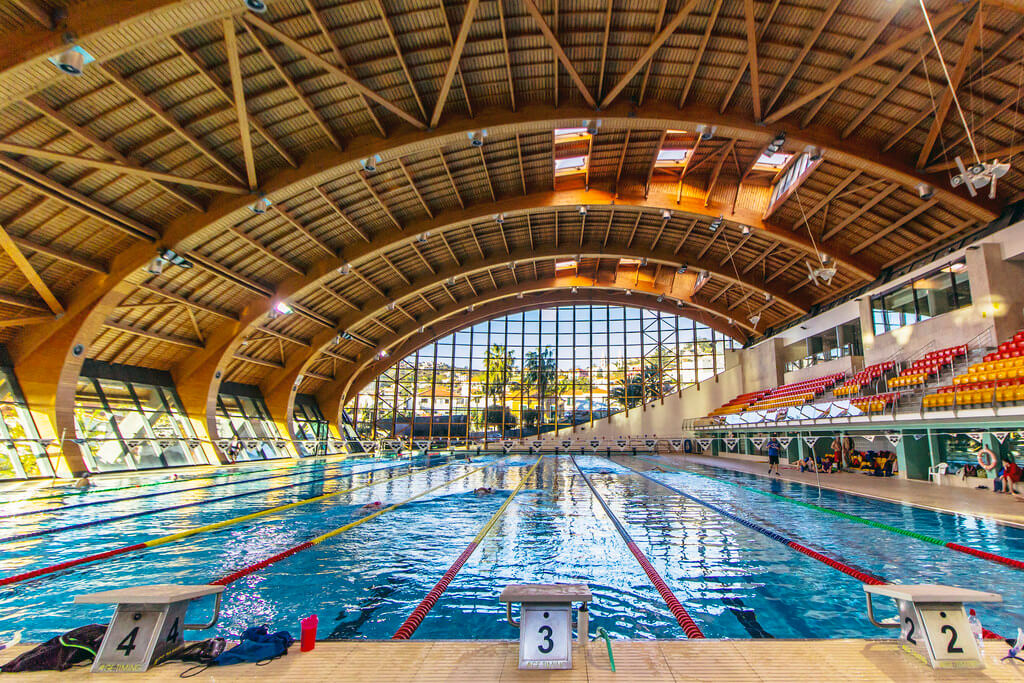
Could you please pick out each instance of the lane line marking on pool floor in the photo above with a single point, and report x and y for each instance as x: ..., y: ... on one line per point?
x: 863, y: 577
x: 687, y: 623
x: 273, y: 559
x: 417, y: 616
x: 162, y: 540
x: 967, y: 550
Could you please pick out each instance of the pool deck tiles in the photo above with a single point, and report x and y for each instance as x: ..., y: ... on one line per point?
x: 675, y: 661
x: 1000, y: 507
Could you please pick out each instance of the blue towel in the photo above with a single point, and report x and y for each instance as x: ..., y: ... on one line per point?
x: 257, y: 645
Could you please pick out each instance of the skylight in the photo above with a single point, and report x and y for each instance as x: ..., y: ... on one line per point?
x: 565, y: 265
x: 570, y: 134
x: 672, y: 157
x: 574, y: 164
x: 772, y: 162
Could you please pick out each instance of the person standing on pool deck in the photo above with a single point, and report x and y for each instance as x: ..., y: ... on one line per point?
x: 774, y: 449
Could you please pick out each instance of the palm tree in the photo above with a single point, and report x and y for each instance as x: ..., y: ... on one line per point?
x: 636, y: 388
x: 500, y: 364
x: 541, y: 373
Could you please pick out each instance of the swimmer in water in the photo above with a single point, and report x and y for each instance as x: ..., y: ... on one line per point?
x: 483, y: 491
x: 83, y: 481
x: 371, y: 507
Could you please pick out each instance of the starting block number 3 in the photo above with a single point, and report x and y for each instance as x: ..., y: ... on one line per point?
x: 940, y: 632
x: 545, y: 636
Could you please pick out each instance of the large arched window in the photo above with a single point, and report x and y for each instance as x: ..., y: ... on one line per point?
x: 537, y: 371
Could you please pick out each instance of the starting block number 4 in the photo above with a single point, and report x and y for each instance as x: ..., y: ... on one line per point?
x: 137, y: 634
x: 545, y: 640
x: 940, y: 632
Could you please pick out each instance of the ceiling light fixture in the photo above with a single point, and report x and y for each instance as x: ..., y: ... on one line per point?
x: 369, y: 164
x: 261, y: 205
x: 256, y: 6
x: 681, y: 270
x: 716, y: 224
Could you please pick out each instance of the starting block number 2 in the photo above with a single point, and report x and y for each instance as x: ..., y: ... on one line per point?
x: 545, y: 637
x: 941, y: 633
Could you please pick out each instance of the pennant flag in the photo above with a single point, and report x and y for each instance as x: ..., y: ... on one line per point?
x: 1001, y: 436
x: 785, y: 441
x: 918, y: 437
x: 811, y: 440
x: 194, y: 443
x: 537, y: 444
x: 422, y: 445
x: 869, y: 437
x: 975, y: 435
x: 649, y: 443
x: 338, y: 445
x: 703, y: 443
x: 223, y: 445
x: 676, y: 444
x: 895, y: 439
x: 508, y: 444
x: 621, y: 443
x: 758, y: 441
x: 566, y: 443
x: 594, y: 443
x: 731, y: 443
x: 367, y: 445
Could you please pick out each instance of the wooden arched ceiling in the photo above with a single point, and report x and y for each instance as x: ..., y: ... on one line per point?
x: 146, y: 151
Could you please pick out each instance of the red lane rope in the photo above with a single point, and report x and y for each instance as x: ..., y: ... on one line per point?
x: 687, y: 623
x: 836, y: 564
x: 678, y: 611
x: 70, y: 563
x: 414, y: 620
x: 253, y: 568
x: 1008, y: 561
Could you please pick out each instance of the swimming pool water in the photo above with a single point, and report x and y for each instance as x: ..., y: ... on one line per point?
x: 363, y: 583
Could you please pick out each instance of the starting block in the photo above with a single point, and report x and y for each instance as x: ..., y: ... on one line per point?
x: 545, y: 621
x: 148, y: 622
x: 933, y: 622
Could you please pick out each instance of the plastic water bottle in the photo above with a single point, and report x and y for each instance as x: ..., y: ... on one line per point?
x: 975, y: 625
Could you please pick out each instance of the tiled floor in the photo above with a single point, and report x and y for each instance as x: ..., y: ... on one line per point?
x: 1000, y: 507
x: 713, y: 661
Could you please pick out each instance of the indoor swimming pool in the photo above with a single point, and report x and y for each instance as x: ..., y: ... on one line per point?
x: 734, y: 581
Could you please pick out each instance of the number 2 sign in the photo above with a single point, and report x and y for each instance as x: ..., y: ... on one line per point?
x: 940, y: 632
x: 545, y: 639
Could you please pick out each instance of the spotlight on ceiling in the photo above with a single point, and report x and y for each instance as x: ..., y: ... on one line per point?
x: 767, y: 296
x: 476, y: 137
x: 283, y: 308
x: 369, y: 164
x: 629, y: 292
x: 519, y: 295
x: 345, y: 268
x: 72, y: 61
x: 261, y: 205
x: 450, y: 281
x: 583, y: 211
x: 512, y: 265
x: 745, y: 229
x: 681, y: 269
x: 592, y: 126
x: 643, y: 261
x: 777, y: 142
x: 470, y: 308
x: 383, y: 354
x: 156, y: 266
x: 813, y: 153
x: 731, y: 321
x: 666, y: 215
x: 421, y: 329
x: 716, y: 224
x: 925, y: 191
x: 336, y: 340
x: 257, y: 6
x: 706, y: 132
x: 499, y: 218
x: 679, y: 304
x: 390, y: 306
x: 661, y: 298
x: 423, y: 237
x: 575, y: 290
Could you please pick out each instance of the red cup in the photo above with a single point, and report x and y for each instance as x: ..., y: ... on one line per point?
x: 307, y: 639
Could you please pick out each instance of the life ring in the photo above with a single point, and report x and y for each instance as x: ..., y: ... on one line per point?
x: 987, y: 459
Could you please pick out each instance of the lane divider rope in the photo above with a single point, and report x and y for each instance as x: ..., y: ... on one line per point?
x: 861, y: 576
x: 1008, y: 561
x: 154, y: 542
x: 417, y: 616
x: 181, y: 506
x: 687, y: 623
x: 212, y: 475
x: 273, y: 559
x: 157, y: 494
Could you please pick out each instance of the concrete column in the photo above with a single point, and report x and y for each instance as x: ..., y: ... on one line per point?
x: 198, y: 396
x: 995, y: 288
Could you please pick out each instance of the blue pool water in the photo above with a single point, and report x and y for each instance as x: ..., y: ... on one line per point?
x: 735, y: 582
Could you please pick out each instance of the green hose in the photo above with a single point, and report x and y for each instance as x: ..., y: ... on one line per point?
x: 601, y: 633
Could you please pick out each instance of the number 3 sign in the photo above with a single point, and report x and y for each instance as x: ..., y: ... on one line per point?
x: 545, y: 637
